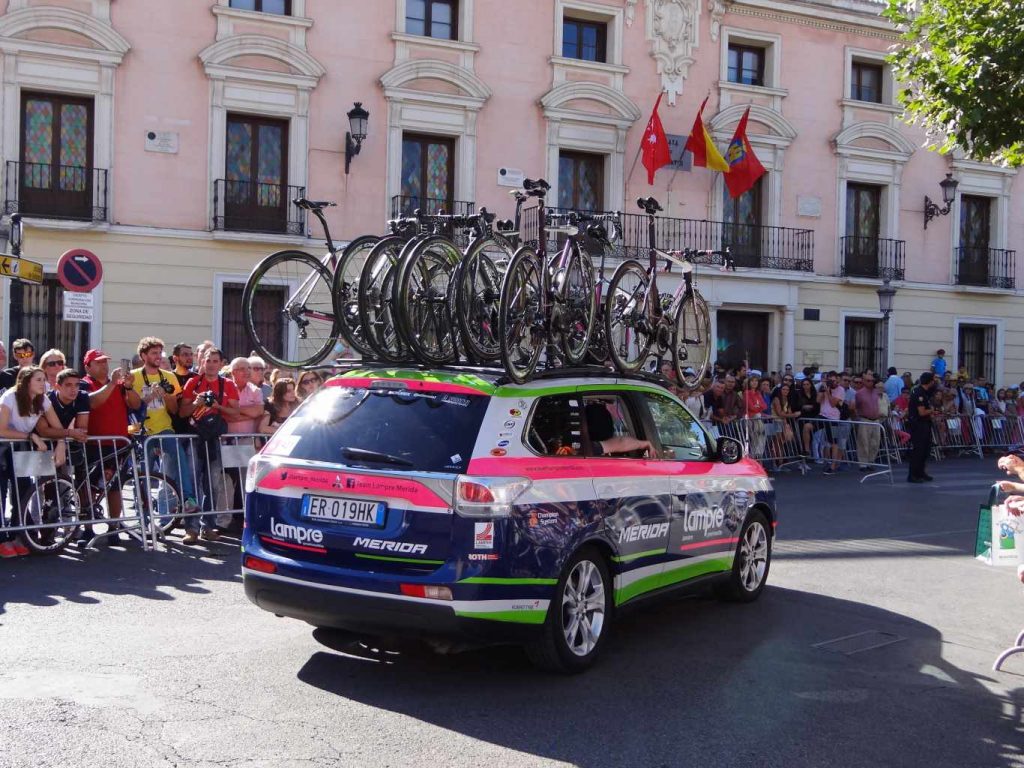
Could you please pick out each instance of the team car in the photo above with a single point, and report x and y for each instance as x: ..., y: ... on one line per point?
x: 450, y: 505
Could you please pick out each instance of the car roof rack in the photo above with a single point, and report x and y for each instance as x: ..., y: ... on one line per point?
x: 498, y: 372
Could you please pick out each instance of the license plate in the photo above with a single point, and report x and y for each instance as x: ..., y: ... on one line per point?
x: 338, y: 509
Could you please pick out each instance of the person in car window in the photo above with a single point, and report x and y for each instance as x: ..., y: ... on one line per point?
x: 601, y: 431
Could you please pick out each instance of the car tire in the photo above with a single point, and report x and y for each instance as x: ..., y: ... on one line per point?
x: 753, y: 560
x: 571, y: 639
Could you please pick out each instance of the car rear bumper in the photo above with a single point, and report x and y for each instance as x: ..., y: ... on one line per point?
x: 371, y: 614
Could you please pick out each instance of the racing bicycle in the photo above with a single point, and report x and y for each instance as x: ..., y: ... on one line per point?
x: 638, y: 317
x: 546, y: 305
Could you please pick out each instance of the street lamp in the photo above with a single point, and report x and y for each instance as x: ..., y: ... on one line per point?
x: 886, y: 298
x: 358, y: 118
x: 931, y: 210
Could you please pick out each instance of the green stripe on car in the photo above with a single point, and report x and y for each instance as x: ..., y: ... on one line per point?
x: 669, y: 577
x: 498, y: 580
x: 517, y: 617
x: 390, y: 559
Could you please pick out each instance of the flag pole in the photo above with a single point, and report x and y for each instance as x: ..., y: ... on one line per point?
x: 671, y: 181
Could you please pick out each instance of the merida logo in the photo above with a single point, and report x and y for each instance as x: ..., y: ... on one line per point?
x: 643, y: 532
x: 704, y: 520
x: 296, y: 533
x: 391, y: 546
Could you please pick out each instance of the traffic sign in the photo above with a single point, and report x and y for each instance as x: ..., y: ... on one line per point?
x: 78, y: 307
x: 22, y: 269
x: 79, y: 270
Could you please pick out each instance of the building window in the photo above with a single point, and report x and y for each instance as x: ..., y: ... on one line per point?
x: 863, y: 345
x: 255, y: 191
x: 586, y: 40
x: 279, y: 7
x: 581, y: 181
x: 268, y: 307
x: 741, y: 226
x: 976, y: 350
x: 37, y: 312
x: 866, y: 81
x: 746, y: 64
x: 863, y: 224
x: 975, y: 231
x: 742, y: 338
x: 432, y: 18
x: 428, y: 173
x: 56, y: 173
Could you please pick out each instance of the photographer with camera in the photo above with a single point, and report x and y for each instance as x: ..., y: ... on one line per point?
x: 208, y: 401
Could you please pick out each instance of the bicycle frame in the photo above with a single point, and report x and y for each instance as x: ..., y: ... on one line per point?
x: 330, y: 260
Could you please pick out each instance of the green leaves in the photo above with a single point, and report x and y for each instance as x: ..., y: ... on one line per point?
x: 961, y: 65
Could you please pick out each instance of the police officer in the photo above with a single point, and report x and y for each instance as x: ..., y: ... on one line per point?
x: 919, y: 415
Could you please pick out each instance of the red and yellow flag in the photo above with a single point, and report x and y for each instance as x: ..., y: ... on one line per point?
x: 744, y: 167
x: 700, y: 143
x: 654, y: 145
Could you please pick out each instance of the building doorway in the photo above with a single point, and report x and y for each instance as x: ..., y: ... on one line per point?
x: 743, y: 336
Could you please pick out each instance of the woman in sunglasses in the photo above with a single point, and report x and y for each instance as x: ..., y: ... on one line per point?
x: 52, y: 362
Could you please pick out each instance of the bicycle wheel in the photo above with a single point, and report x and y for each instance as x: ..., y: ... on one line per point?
x: 520, y: 316
x: 691, y: 340
x: 573, y: 320
x: 425, y: 321
x: 345, y: 292
x: 478, y: 296
x: 154, y: 495
x: 376, y: 311
x: 627, y: 328
x: 305, y: 331
x: 51, y: 502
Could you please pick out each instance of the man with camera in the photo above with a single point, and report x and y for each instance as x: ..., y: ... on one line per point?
x: 208, y: 401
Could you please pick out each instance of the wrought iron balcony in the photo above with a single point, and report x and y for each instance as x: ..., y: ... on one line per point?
x: 249, y: 206
x: 991, y: 267
x: 406, y: 205
x: 875, y: 257
x: 49, y: 191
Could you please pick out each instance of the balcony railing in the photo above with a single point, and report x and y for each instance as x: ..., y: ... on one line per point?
x: 874, y: 257
x: 56, y: 191
x: 405, y: 205
x: 991, y: 267
x: 751, y: 246
x: 249, y: 206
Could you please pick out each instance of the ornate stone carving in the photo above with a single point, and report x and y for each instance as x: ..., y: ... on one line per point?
x: 673, y: 27
x: 630, y: 12
x: 718, y: 9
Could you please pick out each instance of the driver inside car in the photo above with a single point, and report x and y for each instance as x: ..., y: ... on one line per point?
x: 601, y: 431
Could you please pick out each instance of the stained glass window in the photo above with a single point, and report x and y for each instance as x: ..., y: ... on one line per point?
x: 437, y: 171
x: 38, y: 141
x: 580, y: 181
x: 427, y: 173
x: 412, y: 167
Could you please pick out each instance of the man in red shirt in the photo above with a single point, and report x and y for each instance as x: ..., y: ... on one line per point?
x: 110, y: 398
x: 225, y: 402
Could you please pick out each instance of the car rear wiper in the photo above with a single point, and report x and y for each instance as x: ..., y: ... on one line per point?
x: 358, y: 454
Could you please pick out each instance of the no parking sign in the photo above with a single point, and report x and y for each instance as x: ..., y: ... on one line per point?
x: 79, y: 270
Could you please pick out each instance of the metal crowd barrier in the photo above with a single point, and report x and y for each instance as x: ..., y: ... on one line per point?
x: 94, y: 494
x: 204, y: 480
x: 779, y: 444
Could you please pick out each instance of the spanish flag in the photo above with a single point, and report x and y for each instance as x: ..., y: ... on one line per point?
x: 700, y: 143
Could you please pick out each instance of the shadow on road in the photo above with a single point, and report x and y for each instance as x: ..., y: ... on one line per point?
x: 696, y: 682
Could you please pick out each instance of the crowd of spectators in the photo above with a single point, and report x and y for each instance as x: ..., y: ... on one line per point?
x: 821, y: 414
x: 161, y: 394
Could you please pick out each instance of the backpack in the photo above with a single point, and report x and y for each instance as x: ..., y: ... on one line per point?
x: 210, y: 425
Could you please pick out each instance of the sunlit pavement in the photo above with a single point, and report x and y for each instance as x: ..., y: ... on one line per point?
x: 872, y: 646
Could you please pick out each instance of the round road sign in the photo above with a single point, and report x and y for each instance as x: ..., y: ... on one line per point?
x: 79, y: 270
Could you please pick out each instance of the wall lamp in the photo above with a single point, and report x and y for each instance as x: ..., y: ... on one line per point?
x: 358, y: 119
x: 931, y: 210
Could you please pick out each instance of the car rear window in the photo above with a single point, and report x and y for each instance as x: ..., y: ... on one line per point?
x: 384, y: 428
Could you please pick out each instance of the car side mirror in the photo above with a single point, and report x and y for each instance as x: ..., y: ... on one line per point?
x: 730, y: 450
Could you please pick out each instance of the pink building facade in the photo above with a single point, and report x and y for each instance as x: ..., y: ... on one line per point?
x: 169, y: 138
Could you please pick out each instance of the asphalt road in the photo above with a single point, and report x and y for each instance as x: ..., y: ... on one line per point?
x: 127, y: 659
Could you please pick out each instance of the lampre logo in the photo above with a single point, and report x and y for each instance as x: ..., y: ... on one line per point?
x: 704, y: 520
x: 296, y: 533
x: 404, y: 547
x: 643, y: 532
x: 483, y: 536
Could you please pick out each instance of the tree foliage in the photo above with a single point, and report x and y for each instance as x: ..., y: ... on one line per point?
x: 961, y: 64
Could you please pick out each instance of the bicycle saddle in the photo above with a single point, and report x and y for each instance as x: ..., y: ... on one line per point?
x: 649, y: 205
x: 486, y: 216
x: 597, y: 232
x: 313, y: 205
x: 536, y: 187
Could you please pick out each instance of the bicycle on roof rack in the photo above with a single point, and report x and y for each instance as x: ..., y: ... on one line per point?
x: 546, y: 305
x: 638, y: 317
x: 311, y: 322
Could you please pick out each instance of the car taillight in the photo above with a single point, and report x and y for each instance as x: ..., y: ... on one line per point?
x: 427, y: 590
x: 485, y: 497
x: 259, y: 467
x: 258, y: 564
